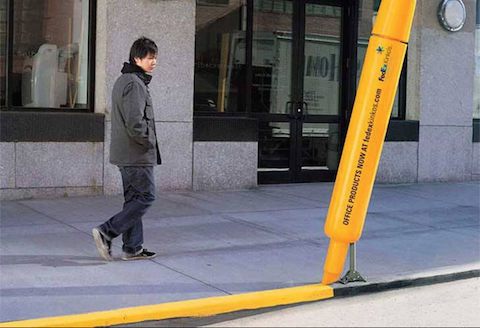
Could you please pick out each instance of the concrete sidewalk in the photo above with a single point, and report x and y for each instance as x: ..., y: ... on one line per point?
x: 226, y: 242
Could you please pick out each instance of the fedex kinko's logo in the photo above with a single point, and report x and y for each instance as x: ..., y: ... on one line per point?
x: 384, y: 68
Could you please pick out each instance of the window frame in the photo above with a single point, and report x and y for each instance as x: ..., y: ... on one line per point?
x: 8, y: 107
x: 248, y: 5
x: 210, y: 3
x: 402, y: 86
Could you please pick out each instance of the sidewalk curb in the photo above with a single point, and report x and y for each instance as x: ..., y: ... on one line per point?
x: 340, y: 291
x: 248, y: 304
x: 404, y: 283
x: 192, y: 308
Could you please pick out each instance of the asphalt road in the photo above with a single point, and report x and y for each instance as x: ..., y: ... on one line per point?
x: 455, y: 304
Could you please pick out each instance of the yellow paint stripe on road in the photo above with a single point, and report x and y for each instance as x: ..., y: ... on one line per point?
x: 191, y: 308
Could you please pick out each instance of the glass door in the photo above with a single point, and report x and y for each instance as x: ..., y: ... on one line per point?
x: 272, y: 98
x: 319, y: 92
x: 297, y: 92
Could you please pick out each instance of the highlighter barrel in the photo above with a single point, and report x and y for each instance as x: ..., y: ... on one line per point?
x: 366, y: 131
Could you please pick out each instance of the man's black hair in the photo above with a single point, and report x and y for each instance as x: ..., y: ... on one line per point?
x: 141, y: 48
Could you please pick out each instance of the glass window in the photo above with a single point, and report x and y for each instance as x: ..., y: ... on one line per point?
x: 272, y: 57
x: 220, y: 53
x: 3, y: 51
x: 273, y: 6
x: 368, y: 12
x: 50, y: 54
x: 476, y: 90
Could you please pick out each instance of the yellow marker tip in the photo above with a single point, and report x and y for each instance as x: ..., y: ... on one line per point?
x: 330, y: 278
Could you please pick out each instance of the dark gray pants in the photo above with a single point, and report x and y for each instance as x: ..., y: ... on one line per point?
x: 139, y: 193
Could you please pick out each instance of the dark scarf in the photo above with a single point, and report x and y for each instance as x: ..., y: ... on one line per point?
x: 137, y: 70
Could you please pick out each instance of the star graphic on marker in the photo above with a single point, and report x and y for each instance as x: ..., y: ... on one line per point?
x: 380, y: 49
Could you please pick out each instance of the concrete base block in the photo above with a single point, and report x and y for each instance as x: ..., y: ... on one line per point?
x: 112, y: 180
x: 225, y: 165
x: 175, y: 140
x: 58, y: 164
x: 476, y: 162
x: 7, y: 165
x: 399, y: 163
x: 445, y: 154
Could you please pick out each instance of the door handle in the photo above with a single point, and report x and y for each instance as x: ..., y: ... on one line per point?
x: 290, y: 108
x: 306, y: 108
x: 296, y: 109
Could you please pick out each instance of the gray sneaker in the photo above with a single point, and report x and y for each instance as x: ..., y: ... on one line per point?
x: 143, y: 255
x: 104, y: 245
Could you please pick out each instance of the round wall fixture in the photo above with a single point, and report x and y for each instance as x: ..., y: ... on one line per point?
x: 452, y: 14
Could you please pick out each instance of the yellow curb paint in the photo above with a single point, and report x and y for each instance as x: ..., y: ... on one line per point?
x: 192, y: 308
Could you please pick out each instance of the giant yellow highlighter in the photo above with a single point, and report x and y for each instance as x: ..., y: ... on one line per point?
x: 366, y: 132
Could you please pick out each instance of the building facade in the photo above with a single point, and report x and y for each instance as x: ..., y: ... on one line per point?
x: 246, y: 92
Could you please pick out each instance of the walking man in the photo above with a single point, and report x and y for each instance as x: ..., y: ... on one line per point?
x: 134, y: 149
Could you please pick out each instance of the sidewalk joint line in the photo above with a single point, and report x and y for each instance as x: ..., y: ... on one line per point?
x: 294, y: 195
x: 260, y: 227
x: 280, y: 234
x: 86, y: 233
x: 188, y: 276
x: 441, y: 201
x: 46, y: 215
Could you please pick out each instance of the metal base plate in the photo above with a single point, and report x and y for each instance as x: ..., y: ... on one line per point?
x: 352, y: 276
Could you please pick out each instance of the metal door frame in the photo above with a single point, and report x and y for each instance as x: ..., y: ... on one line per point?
x: 348, y: 55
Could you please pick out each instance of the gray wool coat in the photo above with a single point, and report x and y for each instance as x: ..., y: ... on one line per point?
x: 134, y: 136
